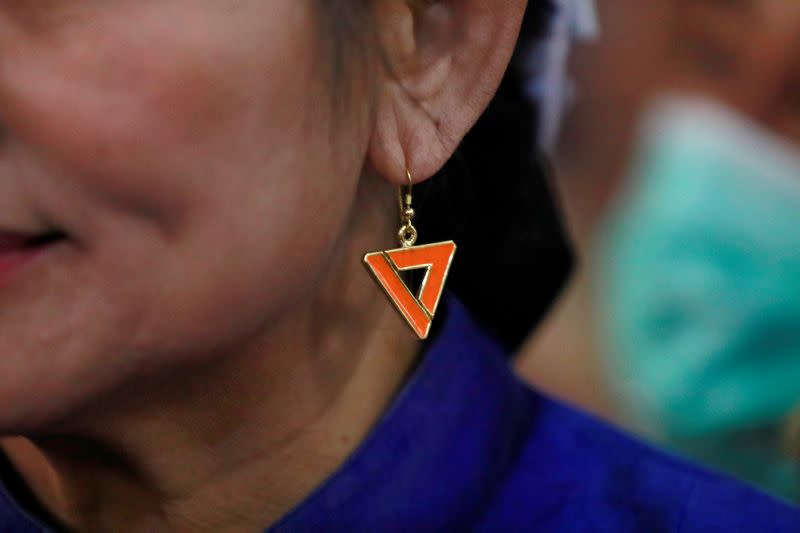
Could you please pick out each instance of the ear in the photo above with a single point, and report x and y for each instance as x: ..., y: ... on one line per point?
x: 444, y: 60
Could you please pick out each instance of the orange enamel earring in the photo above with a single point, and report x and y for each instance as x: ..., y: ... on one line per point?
x: 386, y: 267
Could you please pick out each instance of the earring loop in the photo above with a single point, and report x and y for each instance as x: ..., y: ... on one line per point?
x: 407, y: 235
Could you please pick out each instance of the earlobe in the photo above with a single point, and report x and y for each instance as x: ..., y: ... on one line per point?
x: 405, y: 137
x: 417, y: 67
x: 444, y: 61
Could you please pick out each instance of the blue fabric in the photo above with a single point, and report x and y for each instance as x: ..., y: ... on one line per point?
x: 467, y: 447
x: 13, y: 519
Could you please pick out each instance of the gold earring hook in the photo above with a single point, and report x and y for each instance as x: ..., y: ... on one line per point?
x: 408, y: 233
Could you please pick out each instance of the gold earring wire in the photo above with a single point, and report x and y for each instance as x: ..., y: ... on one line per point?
x: 408, y: 233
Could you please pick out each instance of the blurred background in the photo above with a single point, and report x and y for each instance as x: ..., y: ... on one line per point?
x: 674, y: 131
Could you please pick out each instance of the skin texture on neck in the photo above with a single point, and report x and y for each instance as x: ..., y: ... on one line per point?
x: 234, y: 444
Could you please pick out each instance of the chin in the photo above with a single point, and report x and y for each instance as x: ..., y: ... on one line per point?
x: 49, y: 374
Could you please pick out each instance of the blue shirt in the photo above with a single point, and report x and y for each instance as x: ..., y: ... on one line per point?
x: 468, y: 447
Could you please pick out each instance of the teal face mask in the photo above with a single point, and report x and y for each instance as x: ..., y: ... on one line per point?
x: 700, y: 290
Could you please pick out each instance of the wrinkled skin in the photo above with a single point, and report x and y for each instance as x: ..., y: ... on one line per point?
x: 184, y: 187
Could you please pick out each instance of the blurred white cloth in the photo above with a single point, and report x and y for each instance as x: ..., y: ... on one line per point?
x: 549, y: 84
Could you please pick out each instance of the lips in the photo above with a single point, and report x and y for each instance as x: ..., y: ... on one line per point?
x: 17, y: 250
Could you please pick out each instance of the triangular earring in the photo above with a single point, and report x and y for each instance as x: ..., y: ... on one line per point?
x: 387, y: 265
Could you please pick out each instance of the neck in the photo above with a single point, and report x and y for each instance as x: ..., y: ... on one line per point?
x: 234, y: 444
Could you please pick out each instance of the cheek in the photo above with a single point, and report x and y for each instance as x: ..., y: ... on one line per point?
x: 122, y: 125
x: 141, y: 113
x: 210, y: 187
x: 171, y: 125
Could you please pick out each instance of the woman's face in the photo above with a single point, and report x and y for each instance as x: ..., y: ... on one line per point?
x: 186, y: 150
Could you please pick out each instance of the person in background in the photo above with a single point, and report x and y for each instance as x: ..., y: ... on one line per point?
x: 680, y: 172
x: 549, y: 83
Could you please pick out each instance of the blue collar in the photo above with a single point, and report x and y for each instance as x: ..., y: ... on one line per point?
x: 451, y: 435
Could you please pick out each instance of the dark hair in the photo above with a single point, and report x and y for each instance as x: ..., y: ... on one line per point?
x: 493, y: 197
